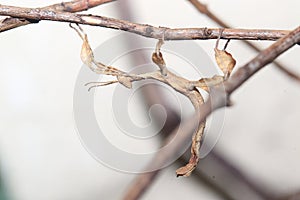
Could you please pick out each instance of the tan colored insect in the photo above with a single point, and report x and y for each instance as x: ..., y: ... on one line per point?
x: 178, y: 83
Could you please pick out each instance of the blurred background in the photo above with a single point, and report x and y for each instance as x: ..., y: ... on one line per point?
x: 41, y: 156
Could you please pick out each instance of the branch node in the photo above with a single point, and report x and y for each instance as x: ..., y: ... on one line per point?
x: 207, y: 32
x: 163, y: 30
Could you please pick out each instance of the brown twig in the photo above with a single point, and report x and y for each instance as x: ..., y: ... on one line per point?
x: 141, y: 29
x: 71, y: 6
x: 216, y: 101
x: 204, y: 10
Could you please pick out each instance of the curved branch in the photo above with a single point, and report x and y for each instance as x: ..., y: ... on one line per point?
x: 142, y: 29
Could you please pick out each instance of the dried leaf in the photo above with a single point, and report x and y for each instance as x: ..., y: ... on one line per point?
x: 225, y: 62
x: 126, y: 81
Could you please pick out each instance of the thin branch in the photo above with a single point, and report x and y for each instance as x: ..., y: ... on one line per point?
x: 204, y: 10
x: 71, y: 6
x: 265, y: 57
x: 142, y: 29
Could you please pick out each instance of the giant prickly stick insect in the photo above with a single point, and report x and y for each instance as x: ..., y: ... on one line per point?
x: 186, y: 87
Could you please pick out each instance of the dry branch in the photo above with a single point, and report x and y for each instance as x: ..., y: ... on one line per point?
x: 35, y: 14
x: 71, y: 6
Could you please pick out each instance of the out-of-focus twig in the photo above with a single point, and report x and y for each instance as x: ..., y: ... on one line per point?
x: 204, y: 10
x: 218, y: 101
x: 71, y: 6
x: 217, y: 170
